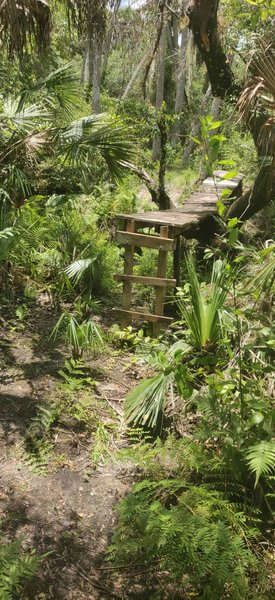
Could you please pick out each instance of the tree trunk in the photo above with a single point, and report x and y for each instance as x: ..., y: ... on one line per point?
x: 202, y: 16
x: 203, y: 22
x: 180, y: 84
x: 109, y: 36
x: 87, y: 66
x: 160, y: 76
x: 262, y: 193
x: 135, y: 74
x: 97, y: 57
x: 163, y: 198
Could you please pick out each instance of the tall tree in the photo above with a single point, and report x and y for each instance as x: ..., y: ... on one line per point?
x: 160, y: 76
x: 181, y: 39
x: 90, y: 19
x: 256, y: 99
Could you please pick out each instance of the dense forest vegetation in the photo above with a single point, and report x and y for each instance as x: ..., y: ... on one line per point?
x: 136, y: 466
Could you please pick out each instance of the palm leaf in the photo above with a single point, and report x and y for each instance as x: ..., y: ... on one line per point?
x: 83, y: 137
x: 265, y: 271
x: 261, y: 459
x: 78, y: 268
x: 146, y: 403
x: 258, y: 98
x: 26, y: 117
x: 203, y: 316
x: 60, y: 87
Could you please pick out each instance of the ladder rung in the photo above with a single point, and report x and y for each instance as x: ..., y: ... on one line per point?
x: 155, y: 281
x: 134, y: 314
x: 143, y: 240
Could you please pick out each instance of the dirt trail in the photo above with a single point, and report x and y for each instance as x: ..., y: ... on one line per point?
x: 68, y: 511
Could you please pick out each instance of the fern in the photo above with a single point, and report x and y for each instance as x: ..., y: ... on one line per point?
x: 15, y: 569
x: 261, y: 458
x: 195, y: 535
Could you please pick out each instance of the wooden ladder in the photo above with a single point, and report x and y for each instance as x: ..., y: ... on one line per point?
x: 131, y: 239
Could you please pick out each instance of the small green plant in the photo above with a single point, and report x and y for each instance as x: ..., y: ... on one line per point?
x: 261, y: 459
x: 81, y: 337
x: 16, y: 567
x: 101, y: 443
x: 203, y: 313
x: 147, y: 403
x: 75, y: 375
x: 129, y: 336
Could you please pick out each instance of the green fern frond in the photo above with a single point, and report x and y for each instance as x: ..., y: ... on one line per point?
x: 261, y: 459
x: 15, y: 569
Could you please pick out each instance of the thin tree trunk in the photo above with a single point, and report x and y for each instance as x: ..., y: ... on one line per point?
x: 180, y: 84
x: 87, y: 67
x: 136, y: 73
x: 163, y: 198
x: 215, y: 111
x: 190, y: 62
x: 160, y: 73
x: 109, y: 36
x: 97, y: 58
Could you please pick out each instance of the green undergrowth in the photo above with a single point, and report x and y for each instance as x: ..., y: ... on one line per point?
x: 200, y: 516
x: 16, y: 568
x: 74, y: 409
x: 190, y: 519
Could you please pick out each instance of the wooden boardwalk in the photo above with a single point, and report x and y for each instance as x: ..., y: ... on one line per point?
x: 171, y: 225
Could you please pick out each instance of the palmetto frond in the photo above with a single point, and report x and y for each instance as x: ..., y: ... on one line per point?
x: 80, y: 336
x: 258, y: 100
x: 263, y: 270
x: 147, y: 402
x: 60, y: 88
x: 23, y: 119
x: 78, y: 268
x: 95, y: 132
x: 203, y: 317
x: 22, y: 21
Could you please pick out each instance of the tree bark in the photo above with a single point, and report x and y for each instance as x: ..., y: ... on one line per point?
x: 203, y: 22
x: 202, y: 16
x: 136, y: 73
x: 96, y: 82
x: 87, y: 66
x: 262, y: 193
x: 180, y: 84
x: 109, y: 36
x: 160, y: 76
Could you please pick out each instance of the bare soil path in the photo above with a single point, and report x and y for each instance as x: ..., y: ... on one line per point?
x: 68, y: 510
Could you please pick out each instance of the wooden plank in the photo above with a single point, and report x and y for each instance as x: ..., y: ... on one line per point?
x: 156, y: 281
x: 209, y: 183
x: 134, y: 314
x: 160, y: 291
x: 164, y: 217
x: 143, y: 240
x: 199, y: 209
x: 128, y: 270
x: 220, y: 173
x: 176, y: 260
